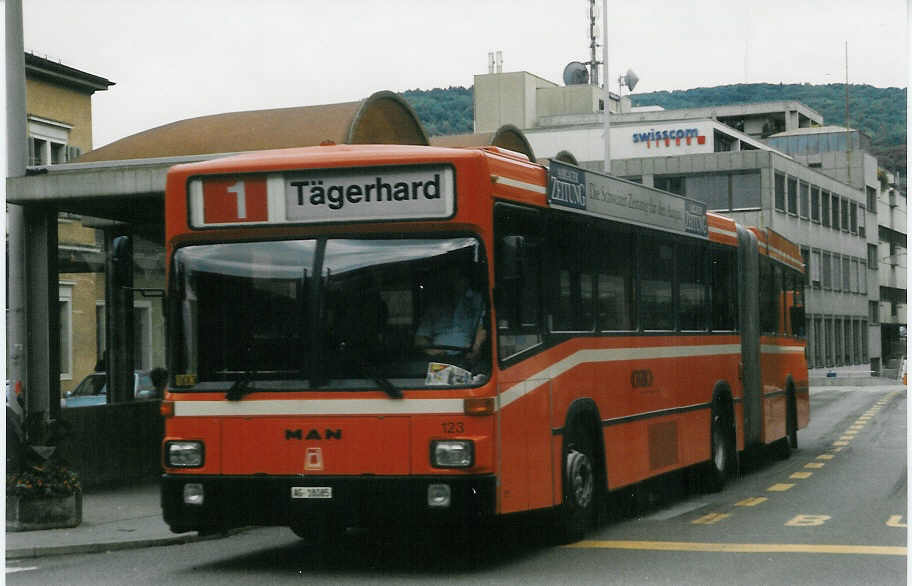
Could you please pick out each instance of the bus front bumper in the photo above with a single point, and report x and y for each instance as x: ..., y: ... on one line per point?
x: 217, y: 503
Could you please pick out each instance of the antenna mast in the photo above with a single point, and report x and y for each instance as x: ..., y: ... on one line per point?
x: 593, y: 43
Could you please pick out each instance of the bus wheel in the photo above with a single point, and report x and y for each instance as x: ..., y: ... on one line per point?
x: 783, y: 447
x: 577, y: 511
x: 722, y: 455
x: 791, y: 419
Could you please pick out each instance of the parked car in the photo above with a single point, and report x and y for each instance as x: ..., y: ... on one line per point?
x: 93, y: 390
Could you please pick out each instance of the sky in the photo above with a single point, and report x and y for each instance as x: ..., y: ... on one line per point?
x: 173, y: 60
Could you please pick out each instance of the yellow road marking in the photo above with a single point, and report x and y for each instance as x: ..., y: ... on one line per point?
x: 801, y: 475
x: 837, y: 450
x: 740, y: 547
x: 841, y: 443
x: 779, y: 487
x: 896, y: 521
x: 808, y: 520
x: 814, y: 465
x: 752, y: 502
x: 710, y: 519
x: 825, y: 457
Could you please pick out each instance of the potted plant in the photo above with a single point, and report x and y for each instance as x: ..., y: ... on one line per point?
x: 42, y: 492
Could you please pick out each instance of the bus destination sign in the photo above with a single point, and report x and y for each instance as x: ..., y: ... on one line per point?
x: 323, y: 195
x: 602, y: 195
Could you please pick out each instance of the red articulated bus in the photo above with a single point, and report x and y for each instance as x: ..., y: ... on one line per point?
x: 382, y: 333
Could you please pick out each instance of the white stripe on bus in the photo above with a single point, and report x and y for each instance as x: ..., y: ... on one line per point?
x: 722, y: 232
x: 455, y: 406
x: 317, y: 407
x: 771, y: 349
x: 520, y: 389
x: 519, y: 184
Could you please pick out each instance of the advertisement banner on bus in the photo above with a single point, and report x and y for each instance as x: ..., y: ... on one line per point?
x: 602, y: 195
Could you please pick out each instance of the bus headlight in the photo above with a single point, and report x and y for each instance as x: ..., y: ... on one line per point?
x: 452, y: 453
x: 184, y: 454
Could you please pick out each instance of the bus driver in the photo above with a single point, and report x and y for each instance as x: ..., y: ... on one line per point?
x: 454, y: 319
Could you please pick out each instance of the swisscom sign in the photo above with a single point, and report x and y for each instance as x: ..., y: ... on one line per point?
x: 598, y: 194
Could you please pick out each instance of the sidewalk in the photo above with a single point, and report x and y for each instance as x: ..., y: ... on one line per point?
x: 130, y: 516
x: 849, y: 376
x: 122, y: 518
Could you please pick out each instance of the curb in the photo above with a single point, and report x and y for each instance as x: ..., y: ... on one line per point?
x: 100, y: 547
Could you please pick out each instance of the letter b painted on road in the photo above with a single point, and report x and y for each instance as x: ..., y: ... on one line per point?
x: 808, y: 520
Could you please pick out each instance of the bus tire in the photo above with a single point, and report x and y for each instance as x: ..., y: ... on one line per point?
x: 783, y: 447
x: 580, y: 486
x: 791, y: 418
x: 722, y: 452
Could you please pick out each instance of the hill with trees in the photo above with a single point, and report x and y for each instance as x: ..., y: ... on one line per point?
x: 878, y: 112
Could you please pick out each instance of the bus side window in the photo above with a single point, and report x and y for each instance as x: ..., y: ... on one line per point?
x: 656, y: 271
x: 517, y: 293
x: 767, y: 292
x: 724, y: 310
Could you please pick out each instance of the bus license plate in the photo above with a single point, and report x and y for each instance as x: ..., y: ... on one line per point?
x: 311, y: 492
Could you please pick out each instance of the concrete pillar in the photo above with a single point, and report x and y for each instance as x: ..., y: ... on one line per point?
x: 43, y: 313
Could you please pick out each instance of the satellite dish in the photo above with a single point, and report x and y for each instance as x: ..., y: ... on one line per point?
x: 630, y: 79
x: 575, y: 73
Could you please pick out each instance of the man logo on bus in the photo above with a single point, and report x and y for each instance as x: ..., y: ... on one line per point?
x: 313, y: 434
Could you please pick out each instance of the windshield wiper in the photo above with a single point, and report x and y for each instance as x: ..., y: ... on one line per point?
x: 242, y: 386
x: 367, y: 369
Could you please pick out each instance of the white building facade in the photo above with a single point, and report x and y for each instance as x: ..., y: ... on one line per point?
x: 831, y: 201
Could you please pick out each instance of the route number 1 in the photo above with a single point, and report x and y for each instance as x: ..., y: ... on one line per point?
x: 238, y: 190
x: 235, y: 200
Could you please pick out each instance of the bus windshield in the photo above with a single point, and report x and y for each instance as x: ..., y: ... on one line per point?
x: 389, y: 311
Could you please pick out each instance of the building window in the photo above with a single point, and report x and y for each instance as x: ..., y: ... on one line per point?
x: 815, y: 203
x: 793, y: 196
x: 872, y: 198
x: 861, y: 222
x: 853, y: 218
x: 874, y: 311
x: 825, y: 208
x: 872, y: 257
x: 803, y: 203
x: 815, y: 269
x: 835, y: 205
x: 745, y: 190
x: 780, y: 191
x: 847, y: 275
x: 722, y: 142
x: 65, y: 305
x: 825, y: 272
x: 818, y: 342
x: 671, y: 183
x: 837, y: 273
x: 864, y: 341
x: 47, y: 144
x: 862, y: 277
x: 806, y: 258
x: 837, y: 341
x: 845, y: 215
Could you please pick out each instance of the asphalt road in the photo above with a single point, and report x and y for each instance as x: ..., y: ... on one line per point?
x: 835, y: 512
